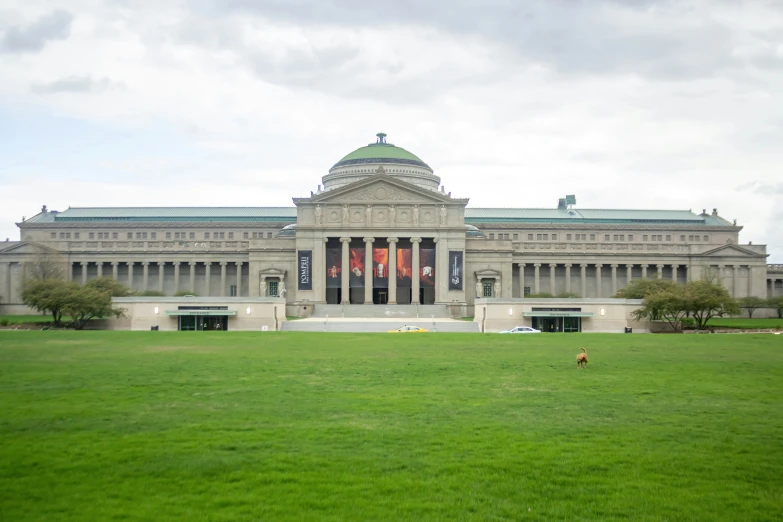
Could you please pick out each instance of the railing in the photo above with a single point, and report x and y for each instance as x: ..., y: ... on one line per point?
x: 157, y: 245
x: 607, y: 247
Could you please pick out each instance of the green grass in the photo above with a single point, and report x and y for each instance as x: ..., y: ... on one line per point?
x: 251, y: 426
x: 30, y: 319
x: 723, y: 322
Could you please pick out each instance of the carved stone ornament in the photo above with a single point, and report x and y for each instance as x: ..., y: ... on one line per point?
x: 381, y: 193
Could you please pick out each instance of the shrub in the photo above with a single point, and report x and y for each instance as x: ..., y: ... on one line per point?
x: 152, y: 293
x: 183, y: 293
x: 5, y: 321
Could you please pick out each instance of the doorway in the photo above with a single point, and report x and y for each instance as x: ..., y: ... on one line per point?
x: 205, y: 323
x: 333, y: 295
x: 380, y: 296
x: 558, y: 324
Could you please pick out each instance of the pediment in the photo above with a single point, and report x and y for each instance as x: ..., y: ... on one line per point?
x: 731, y: 250
x: 26, y: 248
x: 381, y: 188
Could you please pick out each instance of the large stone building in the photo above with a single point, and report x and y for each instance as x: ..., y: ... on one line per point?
x: 383, y: 212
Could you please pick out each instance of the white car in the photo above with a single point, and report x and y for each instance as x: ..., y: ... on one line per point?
x: 522, y: 329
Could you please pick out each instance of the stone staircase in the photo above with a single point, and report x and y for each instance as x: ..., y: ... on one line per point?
x: 356, y: 324
x: 412, y: 311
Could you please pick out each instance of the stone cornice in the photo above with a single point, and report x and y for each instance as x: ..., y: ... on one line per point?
x: 599, y: 226
x: 155, y: 224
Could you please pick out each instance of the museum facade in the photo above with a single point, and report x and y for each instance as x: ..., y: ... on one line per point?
x: 381, y: 229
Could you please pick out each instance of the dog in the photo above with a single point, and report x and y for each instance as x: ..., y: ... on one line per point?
x: 581, y: 359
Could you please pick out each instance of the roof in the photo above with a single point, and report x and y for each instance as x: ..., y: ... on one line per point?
x: 273, y: 214
x: 590, y: 216
x: 380, y: 152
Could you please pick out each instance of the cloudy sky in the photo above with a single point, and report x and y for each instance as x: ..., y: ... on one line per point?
x: 625, y: 103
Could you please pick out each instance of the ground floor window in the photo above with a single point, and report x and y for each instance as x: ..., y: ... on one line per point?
x: 273, y: 288
x: 216, y: 323
x: 486, y: 289
x: 558, y: 324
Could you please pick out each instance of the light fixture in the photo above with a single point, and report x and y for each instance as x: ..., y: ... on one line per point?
x: 157, y: 310
x: 510, y: 311
x: 248, y: 310
x: 603, y: 312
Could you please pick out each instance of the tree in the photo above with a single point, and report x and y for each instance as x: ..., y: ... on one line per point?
x: 48, y: 296
x: 86, y: 302
x: 641, y: 288
x: 110, y: 286
x: 777, y: 304
x: 669, y: 305
x: 752, y: 303
x: 46, y: 264
x: 705, y: 300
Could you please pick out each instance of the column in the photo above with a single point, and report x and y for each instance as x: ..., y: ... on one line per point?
x: 239, y: 280
x: 674, y: 272
x: 416, y: 268
x: 614, y: 280
x: 552, y: 267
x: 368, y: 241
x: 537, y: 278
x: 145, y: 275
x: 721, y: 274
x: 84, y: 271
x: 192, y: 274
x: 644, y: 271
x: 208, y: 267
x: 522, y: 280
x: 688, y: 273
x: 176, y: 276
x: 130, y: 274
x: 583, y: 279
x: 346, y: 296
x: 598, y: 284
x: 223, y: 278
x: 114, y: 269
x: 568, y: 277
x: 736, y: 281
x: 392, y: 270
x: 161, y: 274
x: 100, y: 268
x: 629, y: 274
x: 660, y: 271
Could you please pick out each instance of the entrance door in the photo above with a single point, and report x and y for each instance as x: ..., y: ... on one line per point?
x: 209, y: 323
x: 333, y: 295
x: 572, y: 324
x: 380, y: 295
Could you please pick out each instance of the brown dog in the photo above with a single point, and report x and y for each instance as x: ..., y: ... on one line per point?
x: 581, y: 359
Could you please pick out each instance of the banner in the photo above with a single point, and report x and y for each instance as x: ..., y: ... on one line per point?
x: 357, y: 268
x: 455, y: 269
x: 305, y: 270
x: 380, y: 268
x: 404, y: 267
x: 334, y: 267
x: 427, y: 262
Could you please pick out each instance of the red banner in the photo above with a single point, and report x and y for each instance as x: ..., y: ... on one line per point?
x: 357, y: 267
x: 334, y: 267
x: 404, y: 267
x: 380, y: 267
x: 427, y: 268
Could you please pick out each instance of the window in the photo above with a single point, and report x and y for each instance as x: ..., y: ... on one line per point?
x: 668, y: 237
x: 583, y: 237
x: 690, y: 237
x: 233, y: 290
x: 606, y: 237
x: 546, y: 237
x: 269, y: 235
x: 168, y: 235
x: 67, y: 235
x: 568, y: 238
x: 76, y: 235
x: 206, y: 235
x: 129, y: 235
x: 272, y: 289
x: 54, y: 235
x: 516, y: 237
x: 644, y: 237
x: 616, y: 237
x: 62, y: 235
x: 144, y: 235
x: 682, y: 238
x: 527, y: 291
x: 592, y: 237
x: 554, y: 237
x: 706, y: 238
x: 630, y: 237
x: 192, y: 235
x: 486, y: 289
x: 91, y: 235
x: 231, y: 235
x: 539, y: 236
x: 622, y: 237
x: 153, y: 235
x: 491, y: 236
x: 245, y: 235
x: 114, y: 235
x: 530, y: 237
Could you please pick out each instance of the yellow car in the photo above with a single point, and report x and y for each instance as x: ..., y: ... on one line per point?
x: 408, y: 329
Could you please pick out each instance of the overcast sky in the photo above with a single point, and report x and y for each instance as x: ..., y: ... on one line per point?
x: 625, y: 103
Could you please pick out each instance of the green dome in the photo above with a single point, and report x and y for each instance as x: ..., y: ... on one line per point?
x: 380, y: 152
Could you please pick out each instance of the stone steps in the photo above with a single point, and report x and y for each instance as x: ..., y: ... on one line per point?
x: 369, y: 325
x: 420, y: 312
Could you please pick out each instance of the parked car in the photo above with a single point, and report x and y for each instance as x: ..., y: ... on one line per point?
x: 522, y: 329
x: 408, y: 329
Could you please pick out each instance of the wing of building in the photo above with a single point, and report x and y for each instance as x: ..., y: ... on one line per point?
x: 382, y: 230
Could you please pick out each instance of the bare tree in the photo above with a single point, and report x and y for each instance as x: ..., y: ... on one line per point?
x: 46, y: 264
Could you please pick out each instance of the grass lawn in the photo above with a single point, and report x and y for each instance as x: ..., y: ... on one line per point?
x: 225, y: 426
x: 745, y: 322
x: 26, y: 319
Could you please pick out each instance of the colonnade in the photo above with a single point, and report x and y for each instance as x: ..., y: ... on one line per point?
x: 131, y: 276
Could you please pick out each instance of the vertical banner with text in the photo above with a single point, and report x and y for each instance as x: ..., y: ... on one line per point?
x: 455, y: 269
x: 357, y: 268
x: 427, y: 262
x: 305, y: 270
x: 334, y: 267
